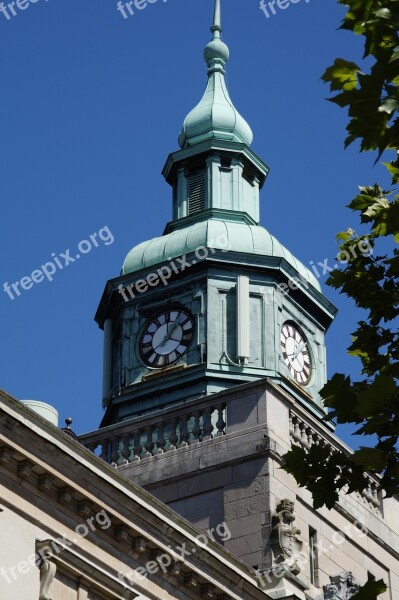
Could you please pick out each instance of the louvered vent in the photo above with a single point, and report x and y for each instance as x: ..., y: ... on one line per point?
x: 196, y: 192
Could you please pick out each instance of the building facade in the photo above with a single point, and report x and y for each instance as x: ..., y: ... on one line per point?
x: 74, y: 528
x: 214, y: 354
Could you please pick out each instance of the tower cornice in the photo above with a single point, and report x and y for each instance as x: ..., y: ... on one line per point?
x: 175, y: 159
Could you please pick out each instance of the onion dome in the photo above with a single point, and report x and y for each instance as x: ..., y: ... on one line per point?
x: 215, y: 117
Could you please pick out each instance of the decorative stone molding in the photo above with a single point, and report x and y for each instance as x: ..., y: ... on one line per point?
x: 286, y: 545
x: 342, y: 587
x: 121, y: 533
x: 24, y: 469
x: 47, y: 574
x: 5, y: 455
x: 85, y: 508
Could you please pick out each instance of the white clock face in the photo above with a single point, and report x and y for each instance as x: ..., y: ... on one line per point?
x: 166, y: 338
x: 296, y: 354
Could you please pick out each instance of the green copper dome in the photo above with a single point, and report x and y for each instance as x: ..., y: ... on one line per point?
x: 212, y: 233
x: 215, y: 117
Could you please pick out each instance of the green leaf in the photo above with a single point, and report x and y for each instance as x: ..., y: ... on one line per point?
x: 389, y: 105
x: 343, y: 236
x: 371, y: 590
x: 373, y: 400
x: 342, y: 75
x: 393, y: 168
x: 369, y: 459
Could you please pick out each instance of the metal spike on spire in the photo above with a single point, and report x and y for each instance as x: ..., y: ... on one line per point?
x: 217, y: 21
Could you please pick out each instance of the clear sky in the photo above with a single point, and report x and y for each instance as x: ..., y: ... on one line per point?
x: 91, y: 106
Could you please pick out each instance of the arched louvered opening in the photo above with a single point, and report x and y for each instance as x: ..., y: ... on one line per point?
x: 196, y: 192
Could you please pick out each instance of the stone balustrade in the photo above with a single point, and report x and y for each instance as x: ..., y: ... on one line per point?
x: 302, y: 434
x: 146, y: 436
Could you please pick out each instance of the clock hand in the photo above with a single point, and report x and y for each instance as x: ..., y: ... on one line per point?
x: 168, y: 334
x: 298, y: 350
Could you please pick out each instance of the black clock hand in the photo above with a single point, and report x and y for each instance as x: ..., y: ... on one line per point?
x: 168, y: 334
x: 299, y: 349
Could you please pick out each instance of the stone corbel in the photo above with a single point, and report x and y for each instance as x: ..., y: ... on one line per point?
x: 342, y: 587
x: 47, y: 573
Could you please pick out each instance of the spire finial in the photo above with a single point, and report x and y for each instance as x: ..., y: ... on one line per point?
x: 216, y: 52
x: 217, y: 21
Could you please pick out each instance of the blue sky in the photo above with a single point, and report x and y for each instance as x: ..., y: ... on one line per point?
x: 92, y: 104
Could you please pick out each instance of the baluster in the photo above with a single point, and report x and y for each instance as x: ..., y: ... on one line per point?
x: 173, y: 436
x: 376, y: 497
x: 125, y: 449
x: 297, y: 429
x: 208, y: 427
x: 197, y: 428
x: 184, y: 436
x: 138, y: 448
x: 304, y: 436
x: 369, y: 491
x: 315, y: 439
x: 114, y: 451
x: 104, y: 450
x: 149, y: 446
x: 92, y: 447
x: 220, y: 425
x: 309, y: 437
x: 291, y: 427
x: 161, y: 442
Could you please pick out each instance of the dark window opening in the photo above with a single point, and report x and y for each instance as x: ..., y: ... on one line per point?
x: 225, y: 165
x: 248, y: 176
x: 313, y: 557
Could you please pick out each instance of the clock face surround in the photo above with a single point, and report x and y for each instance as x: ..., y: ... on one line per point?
x: 166, y: 337
x: 296, y: 355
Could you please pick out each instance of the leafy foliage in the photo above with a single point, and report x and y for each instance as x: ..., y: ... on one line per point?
x: 372, y: 98
x: 370, y: 590
x: 370, y: 277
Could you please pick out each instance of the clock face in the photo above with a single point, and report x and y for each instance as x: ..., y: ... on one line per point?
x: 296, y: 354
x: 166, y: 338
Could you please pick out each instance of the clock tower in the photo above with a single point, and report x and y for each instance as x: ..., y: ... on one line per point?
x: 214, y: 354
x: 216, y: 301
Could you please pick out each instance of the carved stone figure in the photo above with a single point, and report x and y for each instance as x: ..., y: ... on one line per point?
x: 342, y: 587
x: 287, y: 546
